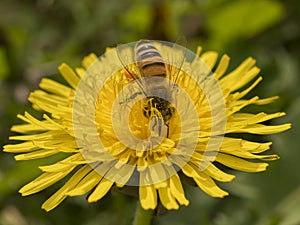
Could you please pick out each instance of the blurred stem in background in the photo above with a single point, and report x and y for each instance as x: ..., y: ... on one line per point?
x: 161, y: 22
x: 142, y: 216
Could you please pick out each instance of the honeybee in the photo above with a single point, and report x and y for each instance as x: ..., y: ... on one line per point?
x: 150, y: 64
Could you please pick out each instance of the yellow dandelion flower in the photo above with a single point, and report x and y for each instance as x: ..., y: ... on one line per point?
x: 115, y: 131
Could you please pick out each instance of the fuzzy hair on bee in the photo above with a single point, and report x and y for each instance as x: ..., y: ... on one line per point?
x: 149, y: 63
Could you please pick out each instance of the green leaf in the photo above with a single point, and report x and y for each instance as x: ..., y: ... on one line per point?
x: 242, y: 19
x: 21, y: 173
x: 139, y: 15
x: 289, y: 208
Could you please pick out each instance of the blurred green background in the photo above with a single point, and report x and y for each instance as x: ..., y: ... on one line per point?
x: 37, y: 35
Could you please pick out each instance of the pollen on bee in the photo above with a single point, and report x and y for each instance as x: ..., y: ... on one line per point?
x: 138, y: 122
x: 128, y: 75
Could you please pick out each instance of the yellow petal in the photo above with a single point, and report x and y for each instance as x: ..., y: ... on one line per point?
x: 60, y: 195
x: 43, y: 181
x: 261, y: 129
x: 236, y: 106
x: 218, y: 174
x: 240, y: 164
x: 189, y: 170
x: 245, y: 79
x: 177, y: 190
x: 22, y: 147
x: 199, y: 50
x: 36, y: 154
x: 209, y: 186
x: 232, y: 79
x: 222, y: 67
x: 120, y: 173
x: 102, y: 188
x: 80, y: 72
x: 37, y: 97
x: 203, y: 181
x: 249, y: 118
x: 210, y: 58
x: 54, y: 87
x: 255, y: 147
x: 266, y: 101
x: 36, y: 125
x: 70, y: 76
x: 232, y: 144
x: 86, y: 184
x: 167, y: 199
x: 63, y: 164
x: 89, y: 60
x: 239, y: 95
x: 41, y: 136
x: 148, y: 197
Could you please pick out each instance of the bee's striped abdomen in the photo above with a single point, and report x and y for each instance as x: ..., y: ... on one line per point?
x: 149, y: 60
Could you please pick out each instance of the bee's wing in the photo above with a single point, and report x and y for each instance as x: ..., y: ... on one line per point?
x: 126, y: 55
x: 176, y: 55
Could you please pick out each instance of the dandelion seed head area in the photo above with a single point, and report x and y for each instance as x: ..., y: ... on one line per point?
x: 121, y: 128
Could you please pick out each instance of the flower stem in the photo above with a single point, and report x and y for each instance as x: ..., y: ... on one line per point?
x: 142, y: 216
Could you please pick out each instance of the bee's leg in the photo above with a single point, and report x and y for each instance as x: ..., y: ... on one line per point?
x: 133, y: 96
x: 168, y: 128
x: 159, y: 126
x: 156, y: 126
x: 158, y: 123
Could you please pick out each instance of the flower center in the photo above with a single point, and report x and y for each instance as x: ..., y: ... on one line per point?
x: 147, y: 130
